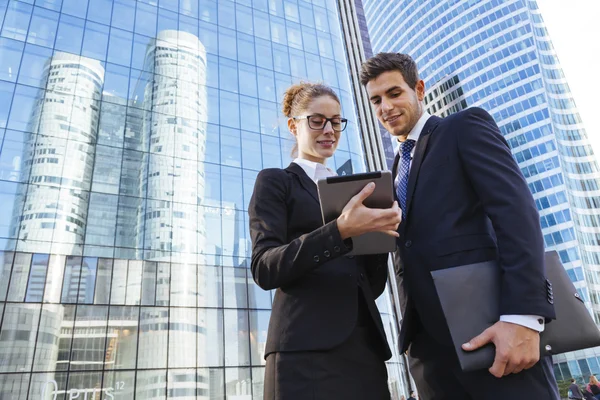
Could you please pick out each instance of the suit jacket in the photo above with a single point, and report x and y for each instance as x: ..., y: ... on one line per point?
x: 575, y: 391
x: 467, y: 202
x: 316, y: 299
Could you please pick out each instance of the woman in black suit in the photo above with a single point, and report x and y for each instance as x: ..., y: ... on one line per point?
x: 326, y: 338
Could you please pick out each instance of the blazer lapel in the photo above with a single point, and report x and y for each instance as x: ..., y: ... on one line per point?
x: 307, y: 183
x: 429, y: 127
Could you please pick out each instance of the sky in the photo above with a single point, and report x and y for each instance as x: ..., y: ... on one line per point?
x: 574, y: 27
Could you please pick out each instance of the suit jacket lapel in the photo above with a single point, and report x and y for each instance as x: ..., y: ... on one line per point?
x: 429, y: 127
x: 307, y: 183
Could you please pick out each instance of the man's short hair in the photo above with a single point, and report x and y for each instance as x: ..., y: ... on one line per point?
x: 385, y: 62
x: 572, y: 380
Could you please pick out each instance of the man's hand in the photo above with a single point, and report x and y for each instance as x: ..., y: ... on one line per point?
x: 357, y: 219
x: 517, y: 347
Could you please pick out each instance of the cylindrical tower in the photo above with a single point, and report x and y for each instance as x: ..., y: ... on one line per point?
x: 172, y: 177
x: 58, y: 158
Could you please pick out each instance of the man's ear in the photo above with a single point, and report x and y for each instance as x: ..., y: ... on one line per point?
x: 420, y: 89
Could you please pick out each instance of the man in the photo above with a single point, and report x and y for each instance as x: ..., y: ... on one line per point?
x: 464, y: 201
x: 575, y: 391
x: 413, y: 396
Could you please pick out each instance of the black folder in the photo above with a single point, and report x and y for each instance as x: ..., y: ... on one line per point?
x: 470, y: 298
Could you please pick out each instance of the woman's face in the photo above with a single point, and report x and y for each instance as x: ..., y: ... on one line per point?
x: 317, y: 144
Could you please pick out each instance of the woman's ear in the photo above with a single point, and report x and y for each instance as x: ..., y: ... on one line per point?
x: 292, y: 126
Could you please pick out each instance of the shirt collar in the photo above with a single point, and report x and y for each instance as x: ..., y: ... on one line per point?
x: 310, y: 167
x: 418, y: 128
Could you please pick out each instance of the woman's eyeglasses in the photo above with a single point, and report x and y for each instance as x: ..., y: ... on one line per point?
x: 318, y: 122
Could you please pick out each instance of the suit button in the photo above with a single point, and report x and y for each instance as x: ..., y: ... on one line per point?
x: 551, y: 301
x: 326, y: 253
x: 541, y: 321
x: 336, y: 249
x: 316, y: 258
x: 350, y: 256
x: 408, y: 243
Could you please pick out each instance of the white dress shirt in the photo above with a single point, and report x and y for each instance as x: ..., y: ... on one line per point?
x: 315, y: 170
x: 534, y: 322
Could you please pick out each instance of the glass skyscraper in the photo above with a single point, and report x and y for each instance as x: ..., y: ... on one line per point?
x: 496, y: 54
x: 131, y: 133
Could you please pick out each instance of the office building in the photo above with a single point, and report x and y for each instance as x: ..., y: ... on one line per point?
x: 131, y: 133
x: 497, y: 55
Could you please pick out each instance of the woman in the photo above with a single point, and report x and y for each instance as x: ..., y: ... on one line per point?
x: 594, y: 387
x: 325, y: 338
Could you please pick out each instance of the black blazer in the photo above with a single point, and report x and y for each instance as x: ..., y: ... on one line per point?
x: 467, y: 202
x: 316, y: 301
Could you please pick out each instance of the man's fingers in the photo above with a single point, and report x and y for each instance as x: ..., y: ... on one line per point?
x: 479, y: 341
x: 391, y: 233
x: 363, y: 194
x: 499, y: 366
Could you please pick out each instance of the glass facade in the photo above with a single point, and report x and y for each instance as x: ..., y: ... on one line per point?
x: 131, y: 133
x: 497, y: 54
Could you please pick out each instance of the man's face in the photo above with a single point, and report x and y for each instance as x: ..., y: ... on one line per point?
x: 397, y: 105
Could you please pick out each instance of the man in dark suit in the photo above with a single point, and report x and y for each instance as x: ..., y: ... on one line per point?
x: 464, y: 201
x: 576, y: 393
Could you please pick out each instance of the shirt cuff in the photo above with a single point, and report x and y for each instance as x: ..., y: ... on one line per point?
x: 534, y: 322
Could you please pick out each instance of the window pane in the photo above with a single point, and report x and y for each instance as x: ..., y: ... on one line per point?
x: 95, y: 41
x: 153, y: 342
x: 123, y: 14
x: 37, y: 278
x: 70, y: 34
x: 235, y: 287
x: 102, y: 293
x: 119, y: 282
x: 134, y: 283
x: 237, y: 340
x: 17, y: 337
x: 183, y: 332
x: 16, y: 20
x: 77, y: 8
x: 32, y: 68
x: 121, y: 337
x: 20, y: 273
x: 123, y: 383
x: 71, y: 280
x: 149, y: 284
x: 100, y: 11
x: 14, y: 386
x: 238, y: 382
x: 251, y: 154
x: 10, y: 59
x: 211, y: 339
x: 183, y: 285
x: 6, y: 261
x: 163, y: 281
x: 87, y: 351
x: 145, y: 20
x: 119, y: 48
x: 182, y: 383
x: 259, y: 324
x: 42, y: 30
x: 151, y: 384
x: 54, y: 279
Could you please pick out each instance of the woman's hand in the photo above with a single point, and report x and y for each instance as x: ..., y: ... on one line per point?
x: 357, y: 219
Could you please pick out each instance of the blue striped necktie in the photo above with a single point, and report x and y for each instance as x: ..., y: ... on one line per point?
x: 403, y: 171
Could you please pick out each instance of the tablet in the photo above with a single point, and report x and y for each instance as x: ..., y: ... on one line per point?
x: 336, y: 191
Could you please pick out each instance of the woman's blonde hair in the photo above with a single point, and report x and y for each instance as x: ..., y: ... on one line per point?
x: 594, y: 380
x: 298, y: 96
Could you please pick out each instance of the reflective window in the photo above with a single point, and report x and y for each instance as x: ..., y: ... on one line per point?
x: 131, y: 134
